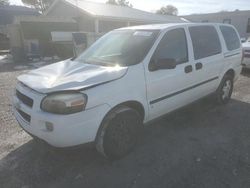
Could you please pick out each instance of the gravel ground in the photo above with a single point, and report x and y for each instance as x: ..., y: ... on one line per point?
x: 203, y: 145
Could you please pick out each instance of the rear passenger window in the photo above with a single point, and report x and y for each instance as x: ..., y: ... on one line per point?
x: 173, y: 46
x: 205, y: 41
x: 231, y: 38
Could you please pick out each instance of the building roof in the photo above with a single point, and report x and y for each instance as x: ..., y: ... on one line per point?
x: 117, y: 12
x: 19, y: 19
x: 222, y: 13
x: 8, y: 12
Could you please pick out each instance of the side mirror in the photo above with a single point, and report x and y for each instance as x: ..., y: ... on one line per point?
x: 162, y: 64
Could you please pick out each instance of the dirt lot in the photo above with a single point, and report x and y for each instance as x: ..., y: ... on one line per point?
x: 203, y: 145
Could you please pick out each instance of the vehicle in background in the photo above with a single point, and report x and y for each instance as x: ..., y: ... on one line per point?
x: 246, y: 54
x: 243, y: 40
x: 127, y: 78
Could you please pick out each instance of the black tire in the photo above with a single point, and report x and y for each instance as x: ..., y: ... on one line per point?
x: 224, y: 95
x: 119, y: 133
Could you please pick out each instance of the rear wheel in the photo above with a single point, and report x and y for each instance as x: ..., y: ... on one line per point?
x: 225, y: 90
x: 119, y: 133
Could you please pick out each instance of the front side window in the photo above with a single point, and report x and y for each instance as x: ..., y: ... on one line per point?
x: 173, y: 46
x: 121, y: 47
x: 205, y: 41
x: 231, y: 38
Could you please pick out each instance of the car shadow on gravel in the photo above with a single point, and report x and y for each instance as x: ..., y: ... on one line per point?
x: 202, y: 145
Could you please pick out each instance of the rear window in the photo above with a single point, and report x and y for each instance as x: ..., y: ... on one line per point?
x: 231, y: 38
x: 205, y: 41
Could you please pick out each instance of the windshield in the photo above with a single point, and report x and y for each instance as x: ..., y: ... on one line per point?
x: 123, y: 48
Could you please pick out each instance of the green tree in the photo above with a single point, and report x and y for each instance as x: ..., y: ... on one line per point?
x: 168, y: 10
x: 40, y: 5
x: 120, y: 3
x: 4, y: 2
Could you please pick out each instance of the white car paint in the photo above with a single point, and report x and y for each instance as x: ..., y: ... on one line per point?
x: 246, y: 54
x: 69, y: 75
x: 107, y: 87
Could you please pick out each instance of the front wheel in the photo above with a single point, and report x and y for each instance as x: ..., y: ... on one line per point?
x: 225, y: 90
x: 119, y: 133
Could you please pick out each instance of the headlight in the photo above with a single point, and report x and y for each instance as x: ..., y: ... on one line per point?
x: 64, y: 103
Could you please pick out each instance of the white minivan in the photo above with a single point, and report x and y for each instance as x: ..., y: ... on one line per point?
x: 127, y: 78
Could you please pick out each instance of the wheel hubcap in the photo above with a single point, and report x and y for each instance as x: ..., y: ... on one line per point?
x: 226, y: 89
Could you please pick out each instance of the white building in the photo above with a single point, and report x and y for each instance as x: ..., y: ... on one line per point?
x: 101, y: 18
x: 240, y: 19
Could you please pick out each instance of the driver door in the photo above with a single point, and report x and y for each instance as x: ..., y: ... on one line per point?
x: 169, y: 89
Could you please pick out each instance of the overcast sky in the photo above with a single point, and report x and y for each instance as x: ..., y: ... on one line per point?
x: 184, y: 6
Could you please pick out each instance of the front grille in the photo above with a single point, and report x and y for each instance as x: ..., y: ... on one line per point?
x: 25, y: 116
x: 25, y: 99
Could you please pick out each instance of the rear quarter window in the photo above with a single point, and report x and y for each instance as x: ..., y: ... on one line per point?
x: 231, y: 38
x: 205, y: 41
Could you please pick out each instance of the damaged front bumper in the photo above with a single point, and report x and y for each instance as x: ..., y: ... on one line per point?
x: 56, y: 130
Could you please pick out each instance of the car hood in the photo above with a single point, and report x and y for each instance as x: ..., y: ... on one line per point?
x: 70, y: 75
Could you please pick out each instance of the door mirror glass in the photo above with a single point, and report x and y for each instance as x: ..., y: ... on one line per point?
x: 162, y: 64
